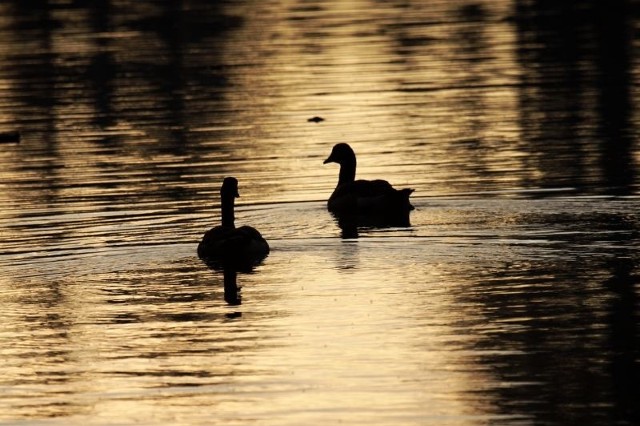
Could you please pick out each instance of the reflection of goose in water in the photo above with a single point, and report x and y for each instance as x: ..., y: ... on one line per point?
x: 365, y: 202
x: 350, y: 225
x: 230, y: 276
x: 231, y: 289
x: 241, y: 247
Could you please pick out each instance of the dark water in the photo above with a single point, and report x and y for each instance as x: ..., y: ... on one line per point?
x: 512, y: 298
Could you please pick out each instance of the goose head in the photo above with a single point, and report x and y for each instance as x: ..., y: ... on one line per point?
x: 229, y: 188
x: 341, y: 154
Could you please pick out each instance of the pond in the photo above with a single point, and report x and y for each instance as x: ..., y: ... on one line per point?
x: 512, y: 297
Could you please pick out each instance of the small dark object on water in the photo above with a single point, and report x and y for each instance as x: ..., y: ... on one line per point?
x: 315, y: 119
x: 9, y: 137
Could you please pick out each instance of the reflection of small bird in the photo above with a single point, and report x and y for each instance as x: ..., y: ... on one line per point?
x: 315, y: 119
x: 364, y: 197
x: 228, y: 244
x: 231, y: 289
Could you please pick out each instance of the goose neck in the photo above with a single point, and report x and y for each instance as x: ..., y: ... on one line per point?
x: 227, y: 207
x: 347, y: 171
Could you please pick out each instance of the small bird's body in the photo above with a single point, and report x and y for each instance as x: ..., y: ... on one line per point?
x: 374, y: 199
x: 369, y: 197
x: 225, y: 242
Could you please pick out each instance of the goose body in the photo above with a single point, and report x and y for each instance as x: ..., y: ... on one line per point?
x: 227, y: 243
x: 364, y: 198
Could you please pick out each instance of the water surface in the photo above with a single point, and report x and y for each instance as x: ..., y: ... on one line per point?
x: 511, y: 299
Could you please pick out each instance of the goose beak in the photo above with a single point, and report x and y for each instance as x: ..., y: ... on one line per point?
x: 329, y: 160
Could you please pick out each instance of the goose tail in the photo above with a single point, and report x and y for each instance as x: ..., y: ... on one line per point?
x: 404, y: 196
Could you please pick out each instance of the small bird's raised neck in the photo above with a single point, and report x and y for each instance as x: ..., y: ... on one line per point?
x: 228, y: 193
x: 347, y: 172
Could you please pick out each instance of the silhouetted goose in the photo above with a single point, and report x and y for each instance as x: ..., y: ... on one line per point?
x: 241, y: 246
x: 364, y: 198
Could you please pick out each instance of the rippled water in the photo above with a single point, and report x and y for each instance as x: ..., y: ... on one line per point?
x: 512, y: 298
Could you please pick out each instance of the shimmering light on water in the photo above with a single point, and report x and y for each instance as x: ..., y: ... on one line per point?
x: 512, y: 298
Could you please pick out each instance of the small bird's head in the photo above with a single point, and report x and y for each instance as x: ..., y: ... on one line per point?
x: 341, y: 153
x: 229, y: 188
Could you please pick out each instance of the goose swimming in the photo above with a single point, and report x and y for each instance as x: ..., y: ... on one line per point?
x: 364, y: 198
x: 226, y: 242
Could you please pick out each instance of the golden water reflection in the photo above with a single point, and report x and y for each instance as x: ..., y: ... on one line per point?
x: 509, y: 299
x: 439, y: 323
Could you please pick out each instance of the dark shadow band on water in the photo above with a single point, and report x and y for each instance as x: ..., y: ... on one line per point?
x: 573, y: 53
